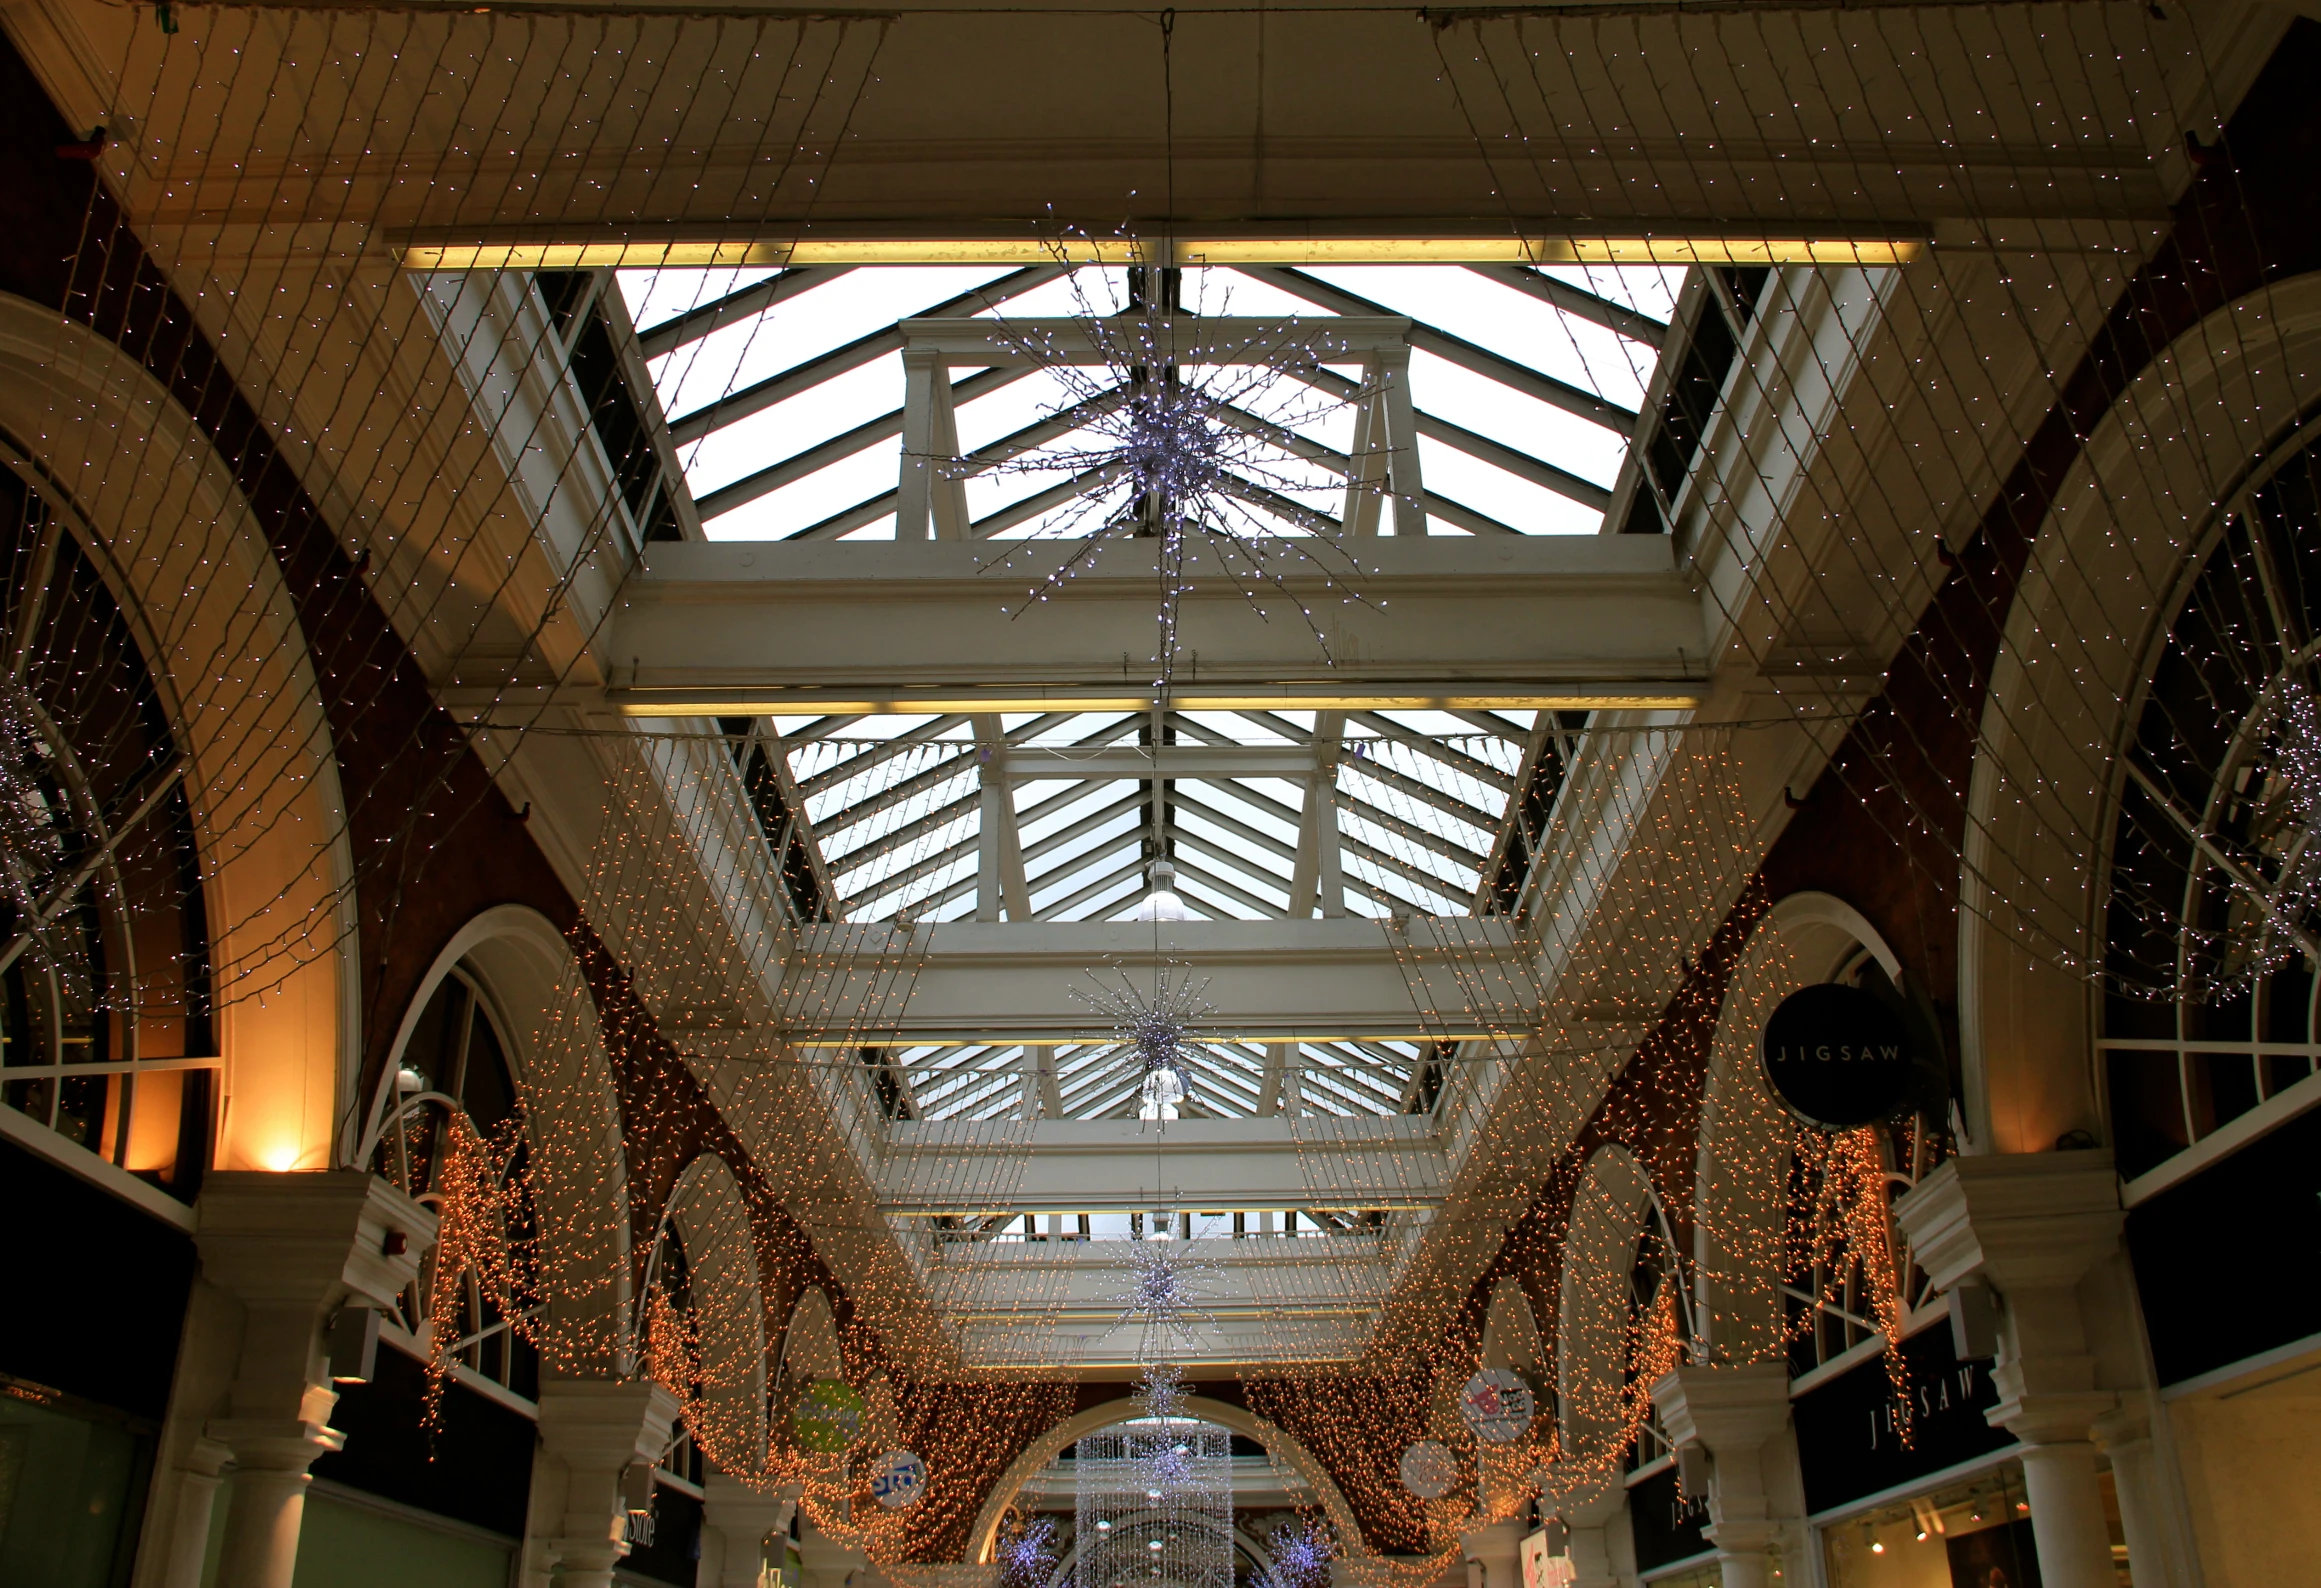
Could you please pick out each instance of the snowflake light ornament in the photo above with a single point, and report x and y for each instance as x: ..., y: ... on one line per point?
x: 1026, y: 1559
x: 1162, y: 1389
x: 1165, y: 1291
x: 1301, y: 1557
x: 1206, y: 448
x: 1155, y: 1027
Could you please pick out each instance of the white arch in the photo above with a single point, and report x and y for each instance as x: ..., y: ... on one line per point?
x: 712, y: 1220
x: 579, y: 1171
x: 158, y: 512
x: 1608, y: 1212
x: 1511, y: 1336
x: 2106, y: 569
x: 1745, y: 1134
x: 1233, y: 1419
x: 810, y: 1348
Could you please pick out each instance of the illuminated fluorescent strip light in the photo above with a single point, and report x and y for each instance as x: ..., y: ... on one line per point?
x: 1553, y: 251
x: 821, y: 703
x: 1000, y: 1037
x: 775, y: 253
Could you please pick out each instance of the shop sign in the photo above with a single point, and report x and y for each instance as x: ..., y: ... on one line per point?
x: 1498, y: 1406
x: 1849, y: 1428
x: 1837, y: 1056
x: 898, y: 1480
x: 828, y: 1417
x: 1429, y: 1469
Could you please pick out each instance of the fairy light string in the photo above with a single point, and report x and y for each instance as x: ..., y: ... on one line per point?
x: 669, y: 977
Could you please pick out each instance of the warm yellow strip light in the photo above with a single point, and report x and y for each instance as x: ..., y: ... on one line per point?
x: 997, y: 1036
x: 1638, y: 250
x: 820, y: 705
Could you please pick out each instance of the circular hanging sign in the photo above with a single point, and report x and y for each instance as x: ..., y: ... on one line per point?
x: 1838, y: 1056
x: 898, y: 1480
x: 1429, y: 1469
x: 828, y: 1417
x: 1498, y: 1405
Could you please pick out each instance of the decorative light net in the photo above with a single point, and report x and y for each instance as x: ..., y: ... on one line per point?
x: 1154, y: 1506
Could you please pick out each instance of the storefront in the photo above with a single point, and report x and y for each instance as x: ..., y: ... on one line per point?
x: 1908, y: 1486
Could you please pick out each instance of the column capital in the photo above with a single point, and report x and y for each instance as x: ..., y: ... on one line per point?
x: 1729, y: 1409
x: 310, y: 1240
x: 2021, y: 1220
x: 595, y: 1429
x: 744, y: 1518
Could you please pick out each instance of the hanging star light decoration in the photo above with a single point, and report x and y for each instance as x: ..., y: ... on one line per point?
x: 1155, y: 1027
x: 1162, y: 1390
x: 1026, y: 1558
x: 1171, y: 433
x: 1301, y: 1553
x: 1167, y: 1285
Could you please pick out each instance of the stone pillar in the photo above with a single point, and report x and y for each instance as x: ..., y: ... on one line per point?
x: 741, y: 1520
x: 594, y: 1430
x: 1740, y: 1416
x: 2125, y: 1438
x: 1498, y: 1549
x: 292, y: 1249
x: 2033, y: 1226
x: 826, y: 1562
x: 1595, y: 1514
x: 199, y: 1476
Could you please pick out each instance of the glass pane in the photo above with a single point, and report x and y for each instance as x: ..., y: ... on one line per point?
x: 2223, y: 1087
x: 67, y: 1486
x: 2147, y: 1110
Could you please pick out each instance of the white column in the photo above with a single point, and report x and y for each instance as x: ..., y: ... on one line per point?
x: 740, y: 1519
x: 1499, y: 1550
x: 915, y: 482
x: 1594, y: 1514
x: 2125, y: 1438
x: 1740, y: 1416
x: 1402, y: 468
x: 2033, y: 1226
x: 292, y: 1249
x: 1366, y: 460
x: 593, y: 1430
x: 199, y: 1477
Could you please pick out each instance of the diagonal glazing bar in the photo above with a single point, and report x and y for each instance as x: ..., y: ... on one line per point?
x: 1362, y: 810
x: 1134, y: 867
x: 878, y: 755
x: 1522, y: 465
x: 775, y: 388
x: 1214, y: 878
x: 869, y: 433
x: 733, y: 308
x: 1555, y: 393
x: 847, y: 520
x: 1615, y: 317
x: 1482, y: 772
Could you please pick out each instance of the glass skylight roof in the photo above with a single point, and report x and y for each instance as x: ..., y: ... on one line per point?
x: 895, y: 804
x: 784, y: 390
x: 783, y: 393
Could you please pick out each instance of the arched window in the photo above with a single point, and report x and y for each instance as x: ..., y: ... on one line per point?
x: 457, y: 1062
x: 106, y: 1031
x: 2212, y: 925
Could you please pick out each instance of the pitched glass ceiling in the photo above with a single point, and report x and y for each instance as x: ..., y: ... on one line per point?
x: 783, y: 392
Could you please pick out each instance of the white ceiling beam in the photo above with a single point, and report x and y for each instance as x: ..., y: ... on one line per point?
x: 1166, y: 760
x: 1099, y: 1166
x: 1214, y: 339
x: 933, y: 626
x: 1280, y: 980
